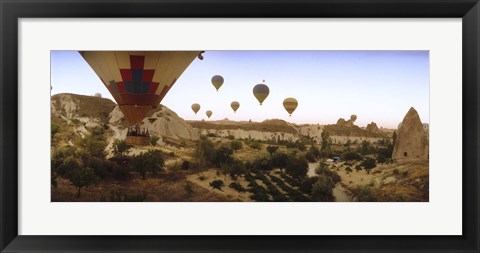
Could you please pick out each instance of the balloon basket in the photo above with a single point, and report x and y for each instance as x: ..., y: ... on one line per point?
x: 137, y: 140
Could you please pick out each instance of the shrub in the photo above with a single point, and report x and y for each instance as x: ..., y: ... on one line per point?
x: 185, y: 165
x: 350, y: 155
x: 271, y: 149
x: 217, y: 184
x: 122, y: 196
x: 256, y: 145
x: 364, y: 194
x: 236, y: 145
x: 188, y: 187
x: 120, y: 147
x: 237, y: 187
x: 154, y: 139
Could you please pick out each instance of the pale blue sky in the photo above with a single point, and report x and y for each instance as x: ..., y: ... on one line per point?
x: 377, y: 86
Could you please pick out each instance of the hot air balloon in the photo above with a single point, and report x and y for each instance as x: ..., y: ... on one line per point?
x: 235, y: 105
x: 353, y: 118
x: 261, y: 91
x: 195, y: 107
x: 290, y: 104
x: 138, y: 81
x: 217, y: 81
x: 209, y: 113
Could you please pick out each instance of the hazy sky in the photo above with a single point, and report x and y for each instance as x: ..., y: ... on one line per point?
x: 377, y: 86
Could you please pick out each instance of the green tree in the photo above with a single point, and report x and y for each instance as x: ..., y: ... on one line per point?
x: 312, y: 154
x: 83, y: 177
x: 322, y: 190
x: 120, y: 147
x: 271, y: 149
x: 204, y: 154
x: 234, y: 168
x: 297, y: 167
x: 365, y: 148
x: 369, y: 164
x: 280, y: 160
x: 94, y: 144
x: 326, y: 141
x: 222, y: 155
x: 150, y: 161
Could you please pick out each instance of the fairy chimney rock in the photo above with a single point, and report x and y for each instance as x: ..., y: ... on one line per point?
x: 411, y: 143
x: 372, y: 127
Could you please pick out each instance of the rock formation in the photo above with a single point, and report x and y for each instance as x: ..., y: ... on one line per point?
x: 411, y: 143
x: 372, y: 127
x: 84, y: 112
x: 341, y: 122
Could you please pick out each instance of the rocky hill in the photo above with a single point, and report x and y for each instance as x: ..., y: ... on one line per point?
x: 76, y: 115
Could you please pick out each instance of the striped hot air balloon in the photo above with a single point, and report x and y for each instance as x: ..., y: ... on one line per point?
x: 217, y: 81
x: 208, y: 113
x: 261, y: 91
x: 195, y: 107
x: 138, y: 81
x: 290, y: 104
x: 235, y: 105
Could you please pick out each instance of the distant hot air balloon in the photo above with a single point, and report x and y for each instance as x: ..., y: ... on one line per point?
x: 138, y: 81
x: 261, y: 91
x: 353, y: 117
x: 235, y: 105
x: 217, y: 81
x: 209, y: 113
x: 195, y: 107
x: 290, y: 104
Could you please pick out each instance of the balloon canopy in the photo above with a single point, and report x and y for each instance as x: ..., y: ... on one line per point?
x: 235, y: 105
x: 209, y: 113
x: 138, y: 81
x: 217, y: 81
x: 353, y: 117
x: 290, y: 104
x: 261, y: 91
x: 195, y: 107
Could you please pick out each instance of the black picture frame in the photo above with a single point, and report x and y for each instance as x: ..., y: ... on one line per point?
x: 11, y: 11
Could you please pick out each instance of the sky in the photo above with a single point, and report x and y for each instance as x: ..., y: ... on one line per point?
x: 378, y: 86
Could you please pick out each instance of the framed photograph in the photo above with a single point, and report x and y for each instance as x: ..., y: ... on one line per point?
x: 162, y: 126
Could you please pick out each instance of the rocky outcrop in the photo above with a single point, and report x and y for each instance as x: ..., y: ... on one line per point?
x: 411, y: 143
x: 85, y: 112
x: 341, y: 122
x: 372, y: 127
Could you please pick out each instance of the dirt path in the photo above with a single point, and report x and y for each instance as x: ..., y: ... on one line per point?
x: 340, y: 194
x: 311, y: 169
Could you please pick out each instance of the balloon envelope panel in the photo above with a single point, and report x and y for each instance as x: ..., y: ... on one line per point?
x: 138, y: 81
